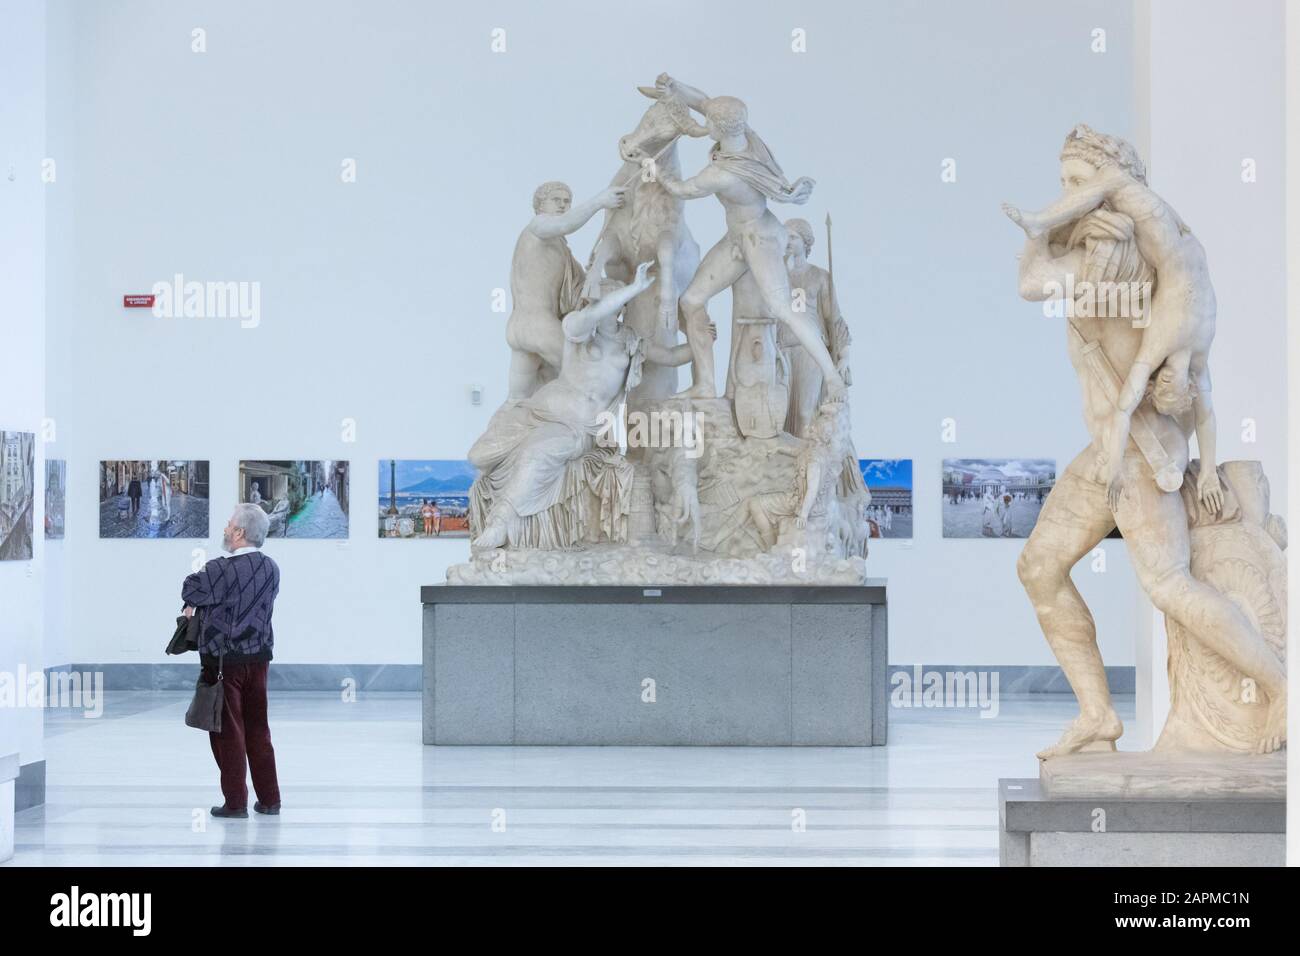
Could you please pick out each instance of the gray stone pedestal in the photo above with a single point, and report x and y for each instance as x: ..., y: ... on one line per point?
x: 1038, y: 829
x: 706, y: 666
x: 8, y: 774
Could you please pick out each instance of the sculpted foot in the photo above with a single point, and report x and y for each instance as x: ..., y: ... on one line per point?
x: 1013, y: 213
x: 1021, y: 219
x: 1274, y: 735
x: 492, y: 536
x: 1087, y: 733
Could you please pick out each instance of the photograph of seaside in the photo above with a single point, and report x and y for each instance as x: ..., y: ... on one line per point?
x: 424, y: 498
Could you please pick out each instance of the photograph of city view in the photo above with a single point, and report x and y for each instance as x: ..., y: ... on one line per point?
x: 994, y: 497
x: 17, y: 490
x: 890, y: 482
x: 303, y: 499
x: 153, y: 499
x: 424, y: 498
x: 56, y: 494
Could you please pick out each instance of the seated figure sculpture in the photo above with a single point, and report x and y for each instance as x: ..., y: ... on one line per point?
x: 526, y: 493
x: 810, y: 505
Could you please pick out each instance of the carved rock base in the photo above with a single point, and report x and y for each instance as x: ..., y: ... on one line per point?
x: 624, y: 564
x: 1171, y: 776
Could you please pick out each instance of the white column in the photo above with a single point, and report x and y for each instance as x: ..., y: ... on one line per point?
x: 1292, y: 100
x: 1210, y: 103
x: 22, y: 372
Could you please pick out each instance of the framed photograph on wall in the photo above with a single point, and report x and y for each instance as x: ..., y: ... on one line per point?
x: 56, y: 496
x: 154, y: 498
x: 890, y: 482
x: 994, y: 497
x: 303, y: 499
x: 424, y: 498
x: 17, y: 494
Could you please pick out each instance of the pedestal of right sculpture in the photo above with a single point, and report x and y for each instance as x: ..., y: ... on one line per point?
x: 1146, y: 809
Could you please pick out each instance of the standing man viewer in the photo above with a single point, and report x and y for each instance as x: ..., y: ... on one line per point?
x: 236, y: 595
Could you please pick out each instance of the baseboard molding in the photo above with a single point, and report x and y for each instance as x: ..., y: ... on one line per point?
x: 1020, y: 678
x: 1011, y: 678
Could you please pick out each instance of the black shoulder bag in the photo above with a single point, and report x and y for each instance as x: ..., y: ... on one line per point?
x: 209, y: 699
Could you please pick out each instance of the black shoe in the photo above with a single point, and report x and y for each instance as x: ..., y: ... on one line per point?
x: 271, y: 809
x: 239, y: 814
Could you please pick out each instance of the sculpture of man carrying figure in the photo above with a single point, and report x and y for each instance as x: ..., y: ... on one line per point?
x: 744, y: 175
x: 1114, y: 238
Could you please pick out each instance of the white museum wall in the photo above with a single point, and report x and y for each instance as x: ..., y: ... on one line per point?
x: 22, y: 345
x: 375, y: 295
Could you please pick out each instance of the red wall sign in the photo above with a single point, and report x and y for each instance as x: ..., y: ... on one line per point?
x: 137, y: 301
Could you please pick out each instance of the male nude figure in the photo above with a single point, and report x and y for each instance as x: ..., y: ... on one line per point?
x: 743, y: 174
x: 1077, y: 514
x: 1181, y: 314
x: 545, y: 282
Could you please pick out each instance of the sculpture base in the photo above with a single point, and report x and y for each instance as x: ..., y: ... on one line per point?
x: 1164, y: 776
x: 8, y: 775
x: 615, y: 565
x: 706, y: 666
x: 1146, y: 809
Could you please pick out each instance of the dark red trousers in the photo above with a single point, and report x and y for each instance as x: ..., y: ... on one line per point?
x: 244, y: 744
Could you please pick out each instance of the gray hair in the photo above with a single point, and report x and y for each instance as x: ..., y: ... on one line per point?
x: 253, y: 521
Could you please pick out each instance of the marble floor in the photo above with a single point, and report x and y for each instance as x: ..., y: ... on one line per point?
x: 132, y: 788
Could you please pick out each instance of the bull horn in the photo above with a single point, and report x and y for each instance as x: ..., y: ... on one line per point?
x: 692, y: 128
x: 649, y: 91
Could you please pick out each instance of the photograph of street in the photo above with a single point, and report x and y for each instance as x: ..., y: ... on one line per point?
x: 424, y: 498
x: 994, y: 497
x: 153, y: 499
x: 56, y: 493
x: 303, y: 499
x: 17, y: 482
x: 890, y: 482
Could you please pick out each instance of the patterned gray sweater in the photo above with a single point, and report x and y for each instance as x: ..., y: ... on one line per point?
x: 236, y: 596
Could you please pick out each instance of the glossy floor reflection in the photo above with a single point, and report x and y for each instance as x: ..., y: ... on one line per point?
x: 133, y: 787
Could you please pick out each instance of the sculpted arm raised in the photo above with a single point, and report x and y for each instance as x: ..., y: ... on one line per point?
x: 580, y: 324
x: 549, y: 225
x: 709, y: 181
x: 694, y: 98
